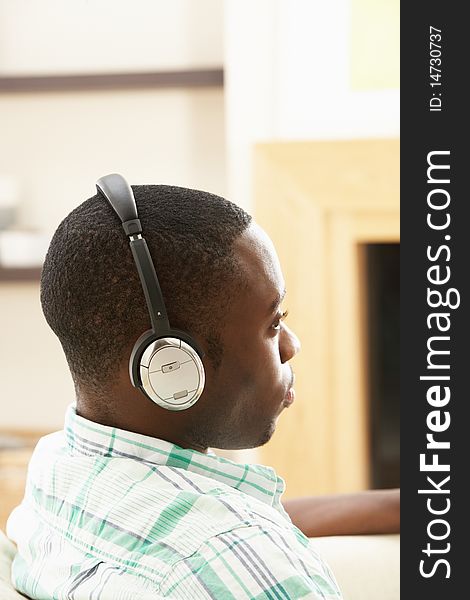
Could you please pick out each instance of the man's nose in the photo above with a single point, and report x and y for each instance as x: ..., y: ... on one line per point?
x: 290, y: 344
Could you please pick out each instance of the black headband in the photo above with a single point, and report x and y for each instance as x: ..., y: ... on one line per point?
x: 119, y: 194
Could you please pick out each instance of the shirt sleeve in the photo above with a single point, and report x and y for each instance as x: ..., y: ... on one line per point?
x: 252, y: 562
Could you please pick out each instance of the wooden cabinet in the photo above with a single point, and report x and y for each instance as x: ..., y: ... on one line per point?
x: 321, y: 202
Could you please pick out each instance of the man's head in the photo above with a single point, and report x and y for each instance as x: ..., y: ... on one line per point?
x: 219, y: 276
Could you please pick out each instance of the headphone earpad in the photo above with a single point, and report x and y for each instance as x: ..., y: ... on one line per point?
x: 168, y: 370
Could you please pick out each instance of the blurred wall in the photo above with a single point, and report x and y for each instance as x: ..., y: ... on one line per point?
x: 52, y: 36
x: 291, y: 73
x: 58, y: 144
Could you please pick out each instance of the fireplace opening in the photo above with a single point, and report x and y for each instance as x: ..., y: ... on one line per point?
x: 383, y: 346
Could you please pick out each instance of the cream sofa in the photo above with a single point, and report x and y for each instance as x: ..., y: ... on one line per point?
x: 7, y: 551
x: 367, y: 567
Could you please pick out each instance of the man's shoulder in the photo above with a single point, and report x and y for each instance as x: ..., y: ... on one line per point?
x: 158, y: 522
x: 158, y: 510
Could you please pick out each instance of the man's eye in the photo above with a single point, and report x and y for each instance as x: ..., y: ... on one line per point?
x: 280, y: 317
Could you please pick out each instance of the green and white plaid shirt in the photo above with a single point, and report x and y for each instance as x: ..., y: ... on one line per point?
x: 110, y: 514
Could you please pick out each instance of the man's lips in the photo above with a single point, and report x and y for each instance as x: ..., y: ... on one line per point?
x: 290, y: 397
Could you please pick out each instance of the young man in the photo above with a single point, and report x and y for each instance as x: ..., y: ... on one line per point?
x: 128, y: 501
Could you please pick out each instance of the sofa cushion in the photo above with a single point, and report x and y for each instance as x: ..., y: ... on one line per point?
x: 7, y: 552
x: 366, y: 567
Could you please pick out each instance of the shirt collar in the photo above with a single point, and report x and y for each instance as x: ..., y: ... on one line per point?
x: 88, y: 438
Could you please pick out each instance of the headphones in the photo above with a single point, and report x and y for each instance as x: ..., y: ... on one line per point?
x: 165, y: 363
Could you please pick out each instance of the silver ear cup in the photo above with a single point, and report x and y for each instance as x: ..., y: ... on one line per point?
x: 172, y: 374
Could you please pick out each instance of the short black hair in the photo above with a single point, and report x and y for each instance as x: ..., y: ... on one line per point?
x: 91, y: 294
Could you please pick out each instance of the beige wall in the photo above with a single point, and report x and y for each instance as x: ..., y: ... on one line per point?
x: 375, y: 44
x: 50, y: 36
x: 36, y: 386
x: 295, y: 59
x: 58, y: 144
